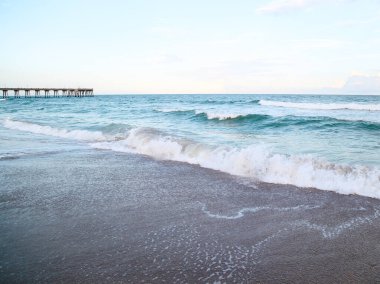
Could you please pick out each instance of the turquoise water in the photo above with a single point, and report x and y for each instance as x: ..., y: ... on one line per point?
x: 326, y: 142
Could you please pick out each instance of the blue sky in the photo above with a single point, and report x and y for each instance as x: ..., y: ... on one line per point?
x: 177, y: 46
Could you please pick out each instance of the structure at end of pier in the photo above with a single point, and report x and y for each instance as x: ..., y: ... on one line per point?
x: 47, y: 92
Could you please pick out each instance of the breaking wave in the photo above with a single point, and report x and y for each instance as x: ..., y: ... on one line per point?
x: 255, y: 161
x: 175, y: 110
x: 209, y: 114
x: 322, y: 106
x: 220, y: 116
x: 281, y: 120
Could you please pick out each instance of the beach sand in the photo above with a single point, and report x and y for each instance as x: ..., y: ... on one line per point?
x: 99, y: 216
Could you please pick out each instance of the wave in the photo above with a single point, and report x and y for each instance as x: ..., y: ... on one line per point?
x: 290, y: 120
x: 322, y: 122
x: 233, y: 117
x: 115, y: 129
x: 220, y: 116
x: 169, y: 110
x: 213, y: 102
x: 82, y: 135
x: 255, y: 161
x: 322, y: 106
x: 207, y: 113
x: 282, y: 120
x: 212, y: 115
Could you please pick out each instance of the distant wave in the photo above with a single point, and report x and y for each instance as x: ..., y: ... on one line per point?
x: 174, y: 110
x: 291, y: 120
x: 323, y: 122
x: 255, y: 161
x: 233, y: 117
x: 281, y: 120
x: 220, y: 115
x: 213, y: 102
x: 322, y: 106
x: 209, y: 114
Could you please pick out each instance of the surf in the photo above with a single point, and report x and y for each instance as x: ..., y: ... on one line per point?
x: 322, y: 106
x: 255, y: 161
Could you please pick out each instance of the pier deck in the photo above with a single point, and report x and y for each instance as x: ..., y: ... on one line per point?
x: 56, y: 92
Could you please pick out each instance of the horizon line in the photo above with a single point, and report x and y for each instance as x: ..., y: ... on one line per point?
x: 262, y: 94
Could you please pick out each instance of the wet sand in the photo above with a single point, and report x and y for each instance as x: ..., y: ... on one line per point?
x: 98, y: 216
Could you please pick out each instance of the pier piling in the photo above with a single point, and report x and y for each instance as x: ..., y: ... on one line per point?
x: 57, y: 92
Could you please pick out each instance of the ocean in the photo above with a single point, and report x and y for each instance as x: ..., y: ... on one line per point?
x: 323, y: 142
x: 190, y: 189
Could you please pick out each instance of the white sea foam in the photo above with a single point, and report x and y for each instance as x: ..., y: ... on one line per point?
x: 210, y: 114
x: 322, y: 106
x: 83, y: 135
x: 282, y: 112
x: 241, y: 213
x: 220, y: 115
x: 330, y: 232
x: 255, y: 161
x: 174, y: 109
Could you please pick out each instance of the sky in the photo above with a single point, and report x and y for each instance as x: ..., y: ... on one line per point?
x: 192, y: 46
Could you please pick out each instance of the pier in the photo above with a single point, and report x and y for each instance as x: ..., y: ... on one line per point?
x: 46, y: 92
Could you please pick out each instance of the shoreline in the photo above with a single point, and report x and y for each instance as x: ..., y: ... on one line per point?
x: 252, y: 160
x: 95, y: 216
